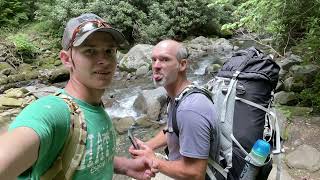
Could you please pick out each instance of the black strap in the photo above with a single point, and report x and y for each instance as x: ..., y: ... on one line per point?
x: 203, y: 91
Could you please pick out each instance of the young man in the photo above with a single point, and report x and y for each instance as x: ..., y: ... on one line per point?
x: 188, y: 151
x: 36, y: 137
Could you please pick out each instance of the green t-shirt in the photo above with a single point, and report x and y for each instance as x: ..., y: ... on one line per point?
x: 49, y: 117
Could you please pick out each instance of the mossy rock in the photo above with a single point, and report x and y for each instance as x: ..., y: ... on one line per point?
x: 4, y: 65
x: 25, y: 68
x: 16, y: 78
x: 31, y: 75
x: 296, y: 110
x: 3, y: 79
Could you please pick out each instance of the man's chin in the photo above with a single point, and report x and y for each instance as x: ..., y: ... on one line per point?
x: 158, y: 83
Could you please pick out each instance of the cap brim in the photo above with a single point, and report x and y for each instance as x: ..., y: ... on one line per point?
x: 117, y: 36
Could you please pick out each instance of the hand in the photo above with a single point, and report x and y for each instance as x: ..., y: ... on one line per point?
x: 131, y: 148
x: 144, y: 150
x: 142, y: 168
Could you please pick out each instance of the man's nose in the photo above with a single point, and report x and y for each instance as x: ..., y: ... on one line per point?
x: 104, y: 58
x: 156, y: 64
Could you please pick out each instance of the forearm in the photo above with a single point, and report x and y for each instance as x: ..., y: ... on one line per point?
x: 182, y: 170
x: 17, y: 153
x: 158, y: 141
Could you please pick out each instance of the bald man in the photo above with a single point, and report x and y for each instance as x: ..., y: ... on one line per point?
x: 190, y: 149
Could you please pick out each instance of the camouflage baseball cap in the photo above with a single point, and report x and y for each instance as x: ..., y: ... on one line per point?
x: 79, y: 28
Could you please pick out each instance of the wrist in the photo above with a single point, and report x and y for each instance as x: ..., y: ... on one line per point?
x: 150, y: 145
x: 120, y: 165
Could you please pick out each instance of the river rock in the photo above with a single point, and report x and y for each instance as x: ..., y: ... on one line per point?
x: 3, y: 79
x: 304, y: 157
x: 285, y: 98
x: 15, y: 93
x: 138, y: 56
x: 291, y: 60
x: 42, y: 90
x: 122, y: 124
x: 143, y: 121
x: 10, y: 102
x: 293, y: 85
x: 4, y: 68
x: 150, y: 102
x: 142, y: 71
x: 54, y: 75
x: 305, y: 73
x: 212, y: 68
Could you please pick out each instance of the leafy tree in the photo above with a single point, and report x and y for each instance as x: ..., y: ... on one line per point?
x: 15, y: 12
x: 141, y: 21
x: 290, y: 22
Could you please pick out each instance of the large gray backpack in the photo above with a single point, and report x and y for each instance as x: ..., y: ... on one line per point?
x: 242, y: 93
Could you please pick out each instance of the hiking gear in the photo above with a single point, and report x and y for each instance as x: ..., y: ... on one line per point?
x: 74, y: 147
x: 242, y: 93
x: 256, y: 158
x: 79, y: 28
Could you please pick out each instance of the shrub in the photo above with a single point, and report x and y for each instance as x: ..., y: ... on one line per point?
x: 311, y: 96
x: 141, y: 21
x: 290, y: 23
x: 24, y: 47
x: 15, y: 12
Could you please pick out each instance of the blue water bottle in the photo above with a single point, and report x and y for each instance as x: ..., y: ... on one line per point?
x: 256, y: 158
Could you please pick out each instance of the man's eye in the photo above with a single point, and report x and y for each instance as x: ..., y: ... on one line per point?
x: 90, y: 51
x: 111, y: 51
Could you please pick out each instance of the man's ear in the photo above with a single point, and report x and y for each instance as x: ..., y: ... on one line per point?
x: 183, y: 64
x: 65, y: 58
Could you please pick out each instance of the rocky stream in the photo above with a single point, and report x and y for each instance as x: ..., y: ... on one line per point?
x: 133, y: 99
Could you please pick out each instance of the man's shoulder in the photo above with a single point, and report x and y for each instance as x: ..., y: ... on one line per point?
x: 50, y: 103
x: 48, y: 99
x: 196, y: 100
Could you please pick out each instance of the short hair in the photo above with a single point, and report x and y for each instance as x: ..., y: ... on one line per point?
x: 182, y: 53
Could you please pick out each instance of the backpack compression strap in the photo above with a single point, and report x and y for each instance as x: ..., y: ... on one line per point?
x: 68, y: 160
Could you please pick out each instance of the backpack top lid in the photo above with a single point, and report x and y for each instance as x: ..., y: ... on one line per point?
x: 253, y: 64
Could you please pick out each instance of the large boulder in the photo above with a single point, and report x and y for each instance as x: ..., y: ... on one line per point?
x: 55, y: 75
x: 139, y: 56
x: 289, y: 61
x: 304, y: 157
x: 285, y: 98
x: 201, y: 46
x: 150, y: 102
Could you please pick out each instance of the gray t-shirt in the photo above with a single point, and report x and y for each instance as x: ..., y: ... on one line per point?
x: 196, y: 119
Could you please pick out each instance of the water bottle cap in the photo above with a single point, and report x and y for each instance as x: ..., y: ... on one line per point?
x: 261, y: 148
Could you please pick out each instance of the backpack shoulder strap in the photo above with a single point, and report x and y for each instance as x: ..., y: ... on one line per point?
x: 68, y: 160
x: 184, y: 94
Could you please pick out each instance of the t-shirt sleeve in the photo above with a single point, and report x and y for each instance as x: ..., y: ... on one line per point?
x: 49, y: 117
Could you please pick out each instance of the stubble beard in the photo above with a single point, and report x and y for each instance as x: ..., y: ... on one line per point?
x: 159, y: 83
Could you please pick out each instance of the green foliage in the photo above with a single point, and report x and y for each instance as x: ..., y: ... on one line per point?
x: 15, y: 12
x: 141, y: 21
x: 309, y: 47
x: 311, y: 96
x: 290, y: 22
x: 23, y: 45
